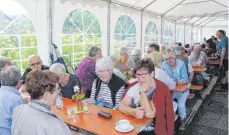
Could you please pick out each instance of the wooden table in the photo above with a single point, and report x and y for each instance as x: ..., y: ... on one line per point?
x: 198, y: 69
x: 212, y: 58
x: 181, y: 87
x: 91, y: 122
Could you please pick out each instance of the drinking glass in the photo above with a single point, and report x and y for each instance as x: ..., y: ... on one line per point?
x: 85, y: 107
x: 70, y: 112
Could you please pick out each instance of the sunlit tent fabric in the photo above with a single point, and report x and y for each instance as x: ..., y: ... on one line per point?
x: 27, y: 27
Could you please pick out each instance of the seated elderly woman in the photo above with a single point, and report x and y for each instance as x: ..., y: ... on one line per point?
x: 70, y: 84
x: 149, y: 98
x: 177, y: 70
x: 36, y: 117
x: 136, y: 54
x: 126, y: 62
x: 108, y: 89
x: 86, y: 70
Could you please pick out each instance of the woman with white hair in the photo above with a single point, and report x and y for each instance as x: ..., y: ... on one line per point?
x: 177, y: 70
x: 108, y: 89
x: 70, y: 84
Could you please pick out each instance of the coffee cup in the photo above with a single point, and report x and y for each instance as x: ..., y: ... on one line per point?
x: 123, y: 124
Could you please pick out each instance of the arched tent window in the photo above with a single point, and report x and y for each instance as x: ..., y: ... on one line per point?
x: 81, y: 31
x: 125, y: 33
x: 168, y: 34
x: 151, y: 34
x: 17, y: 34
x: 179, y: 35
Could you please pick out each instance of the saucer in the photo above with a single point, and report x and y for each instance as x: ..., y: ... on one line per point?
x: 131, y: 127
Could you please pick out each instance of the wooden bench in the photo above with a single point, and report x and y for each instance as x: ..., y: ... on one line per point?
x: 197, y: 93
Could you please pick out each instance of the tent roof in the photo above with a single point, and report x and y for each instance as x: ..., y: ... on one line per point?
x: 195, y: 12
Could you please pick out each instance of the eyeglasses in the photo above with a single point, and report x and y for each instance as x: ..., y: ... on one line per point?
x: 169, y: 58
x: 34, y: 64
x: 143, y: 75
x: 102, y: 71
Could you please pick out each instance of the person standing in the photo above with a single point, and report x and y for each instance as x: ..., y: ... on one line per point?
x: 221, y: 35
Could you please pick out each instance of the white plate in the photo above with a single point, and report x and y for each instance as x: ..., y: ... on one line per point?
x: 124, y: 130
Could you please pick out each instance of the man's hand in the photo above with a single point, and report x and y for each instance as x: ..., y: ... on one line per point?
x: 139, y: 112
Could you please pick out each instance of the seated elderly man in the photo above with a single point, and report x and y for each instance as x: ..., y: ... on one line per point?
x: 177, y: 70
x: 70, y: 84
x: 108, y: 89
x: 35, y: 63
x: 10, y: 97
x: 4, y: 61
x: 149, y: 98
x: 136, y: 54
x: 126, y: 62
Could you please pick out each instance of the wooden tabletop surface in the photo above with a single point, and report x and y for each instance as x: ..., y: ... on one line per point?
x: 91, y: 122
x: 181, y: 87
x: 198, y: 69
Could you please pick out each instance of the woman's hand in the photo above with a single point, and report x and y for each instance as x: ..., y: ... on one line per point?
x: 139, y: 112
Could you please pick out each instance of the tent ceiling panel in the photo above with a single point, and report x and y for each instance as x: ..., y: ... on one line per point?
x: 197, y: 8
x: 217, y: 23
x: 201, y: 20
x: 194, y: 1
x: 161, y: 6
x: 194, y: 19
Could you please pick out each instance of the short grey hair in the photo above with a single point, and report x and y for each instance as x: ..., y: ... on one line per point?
x: 170, y: 51
x: 136, y: 51
x: 197, y: 48
x: 4, y: 61
x: 124, y: 49
x: 10, y: 76
x: 113, y: 58
x: 104, y: 63
x: 93, y: 51
x: 58, y: 69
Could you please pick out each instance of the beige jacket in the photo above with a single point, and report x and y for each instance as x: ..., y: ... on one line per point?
x: 35, y: 119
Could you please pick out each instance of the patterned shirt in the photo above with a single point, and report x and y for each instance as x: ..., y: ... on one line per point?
x: 104, y: 95
x: 86, y: 73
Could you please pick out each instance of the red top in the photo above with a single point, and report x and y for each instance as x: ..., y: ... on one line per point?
x: 164, y: 110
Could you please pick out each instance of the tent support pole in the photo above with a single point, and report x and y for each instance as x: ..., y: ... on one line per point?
x: 108, y: 27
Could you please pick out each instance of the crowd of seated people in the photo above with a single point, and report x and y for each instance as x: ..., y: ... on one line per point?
x: 103, y: 81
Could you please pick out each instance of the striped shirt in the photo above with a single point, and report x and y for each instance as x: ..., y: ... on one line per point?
x: 104, y: 94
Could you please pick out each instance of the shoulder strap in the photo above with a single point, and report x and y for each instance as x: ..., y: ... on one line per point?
x: 97, y: 86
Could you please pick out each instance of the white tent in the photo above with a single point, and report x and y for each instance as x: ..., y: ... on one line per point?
x: 76, y: 25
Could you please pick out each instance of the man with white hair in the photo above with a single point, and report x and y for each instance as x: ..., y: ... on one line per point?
x: 35, y: 63
x: 136, y: 54
x: 10, y: 97
x: 108, y: 89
